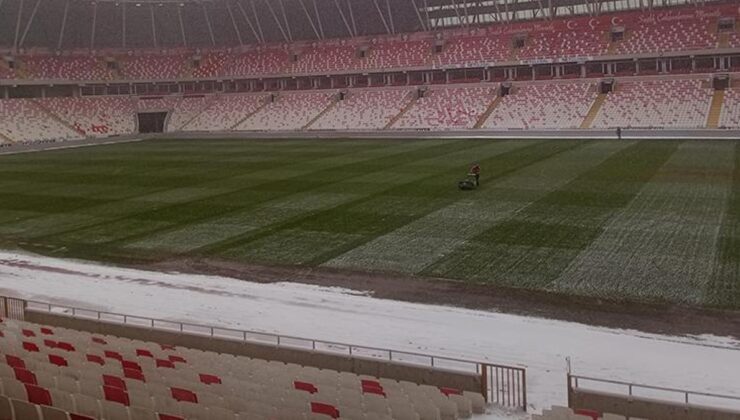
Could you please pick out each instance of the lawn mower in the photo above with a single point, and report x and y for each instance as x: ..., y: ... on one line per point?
x: 469, y: 183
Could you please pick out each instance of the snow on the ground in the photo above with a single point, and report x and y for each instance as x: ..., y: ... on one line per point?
x: 700, y: 363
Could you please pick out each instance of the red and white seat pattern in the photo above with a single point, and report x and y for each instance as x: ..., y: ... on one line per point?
x: 559, y: 44
x: 447, y: 108
x: 22, y: 120
x: 186, y: 109
x: 5, y: 71
x: 473, y: 50
x: 96, y: 376
x: 289, y: 111
x: 730, y: 116
x: 99, y: 116
x: 155, y: 67
x: 330, y: 58
x: 66, y: 68
x: 225, y: 112
x: 668, y: 36
x: 398, y: 54
x: 733, y: 40
x: 211, y: 65
x: 258, y: 62
x: 544, y: 106
x: 364, y: 110
x: 682, y: 103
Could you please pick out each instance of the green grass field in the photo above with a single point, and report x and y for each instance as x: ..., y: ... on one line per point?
x: 648, y: 221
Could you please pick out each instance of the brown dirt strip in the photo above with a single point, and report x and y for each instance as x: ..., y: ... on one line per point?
x: 650, y: 318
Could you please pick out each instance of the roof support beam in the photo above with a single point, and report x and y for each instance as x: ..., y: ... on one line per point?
x: 208, y: 23
x: 257, y: 20
x: 318, y: 18
x: 94, y: 26
x: 390, y: 16
x: 154, y: 27
x: 352, y: 16
x: 382, y: 17
x: 418, y: 15
x: 285, y: 19
x: 277, y: 21
x: 233, y: 23
x: 17, y: 27
x: 344, y: 18
x: 64, y: 24
x: 182, y: 26
x: 123, y: 25
x: 310, y: 20
x: 457, y: 13
x: 249, y: 22
x: 28, y: 24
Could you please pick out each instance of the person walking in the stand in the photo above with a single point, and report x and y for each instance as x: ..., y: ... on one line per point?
x: 619, y: 133
x: 475, y: 171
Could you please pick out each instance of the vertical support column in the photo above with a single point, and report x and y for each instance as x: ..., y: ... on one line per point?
x: 94, y: 25
x: 154, y: 27
x: 123, y: 25
x: 484, y: 382
x: 17, y: 27
x: 182, y: 26
x: 64, y: 25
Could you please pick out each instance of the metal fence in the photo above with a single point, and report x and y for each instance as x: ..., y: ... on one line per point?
x: 671, y: 395
x: 501, y: 384
x: 12, y: 308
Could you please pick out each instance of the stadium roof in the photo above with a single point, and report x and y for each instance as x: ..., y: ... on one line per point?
x: 128, y: 24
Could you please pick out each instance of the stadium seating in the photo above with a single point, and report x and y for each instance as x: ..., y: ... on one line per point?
x: 398, y: 54
x: 730, y: 117
x: 99, y: 116
x: 447, y: 108
x: 329, y: 58
x: 225, y: 112
x: 22, y: 120
x: 551, y: 106
x: 186, y: 109
x: 364, y: 109
x: 557, y: 44
x: 258, y: 62
x: 288, y: 111
x: 211, y: 65
x: 5, y: 71
x: 473, y: 50
x: 45, y: 369
x: 565, y: 413
x: 66, y: 68
x: 682, y: 103
x: 667, y: 36
x: 156, y: 67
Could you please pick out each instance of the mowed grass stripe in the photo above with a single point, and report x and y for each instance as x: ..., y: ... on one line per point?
x: 529, y: 251
x: 723, y: 290
x: 417, y: 245
x: 662, y: 246
x: 255, y: 186
x: 40, y: 227
x: 373, y: 179
x: 322, y: 236
x: 291, y: 198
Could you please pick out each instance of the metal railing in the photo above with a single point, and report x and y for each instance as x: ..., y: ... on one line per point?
x: 672, y: 395
x: 501, y: 384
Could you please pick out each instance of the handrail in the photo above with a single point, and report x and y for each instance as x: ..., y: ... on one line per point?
x: 573, y: 382
x: 334, y: 347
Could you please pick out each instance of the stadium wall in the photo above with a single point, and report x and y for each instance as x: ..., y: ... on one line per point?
x: 362, y: 366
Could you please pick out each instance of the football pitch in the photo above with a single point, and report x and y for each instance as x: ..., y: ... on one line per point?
x: 653, y: 221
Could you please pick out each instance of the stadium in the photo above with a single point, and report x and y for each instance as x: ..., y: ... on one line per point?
x: 369, y: 209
